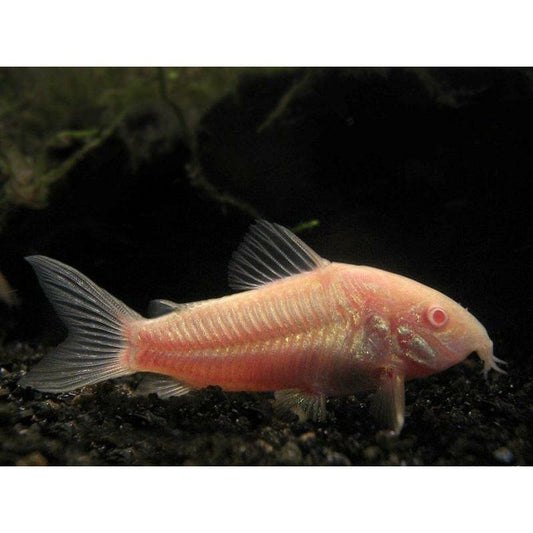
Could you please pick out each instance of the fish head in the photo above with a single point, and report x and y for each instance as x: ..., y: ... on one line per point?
x: 435, y: 332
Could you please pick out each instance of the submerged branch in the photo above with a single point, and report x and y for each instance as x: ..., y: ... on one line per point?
x: 194, y: 170
x: 59, y: 172
x: 286, y: 99
x: 26, y: 186
x: 198, y: 180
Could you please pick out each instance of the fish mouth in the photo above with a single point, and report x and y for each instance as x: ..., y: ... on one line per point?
x: 490, y: 361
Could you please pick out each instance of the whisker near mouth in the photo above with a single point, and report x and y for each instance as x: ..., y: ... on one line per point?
x: 490, y: 360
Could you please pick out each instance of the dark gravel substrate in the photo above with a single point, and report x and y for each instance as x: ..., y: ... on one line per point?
x: 456, y: 418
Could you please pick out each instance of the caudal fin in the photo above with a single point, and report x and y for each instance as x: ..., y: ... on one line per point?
x: 95, y: 347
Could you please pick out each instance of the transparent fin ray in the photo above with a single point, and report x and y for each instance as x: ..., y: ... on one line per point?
x: 95, y: 345
x: 388, y: 403
x: 303, y: 404
x: 157, y: 308
x: 162, y: 307
x: 163, y: 386
x: 270, y: 252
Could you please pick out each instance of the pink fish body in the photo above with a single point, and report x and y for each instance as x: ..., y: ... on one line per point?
x: 305, y: 328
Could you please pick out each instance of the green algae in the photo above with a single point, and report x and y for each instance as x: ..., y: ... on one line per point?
x: 49, y: 111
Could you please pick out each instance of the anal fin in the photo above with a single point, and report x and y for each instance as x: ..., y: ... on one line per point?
x: 163, y: 386
x: 388, y: 403
x: 304, y: 404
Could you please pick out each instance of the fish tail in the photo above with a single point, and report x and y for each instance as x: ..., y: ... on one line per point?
x: 96, y: 348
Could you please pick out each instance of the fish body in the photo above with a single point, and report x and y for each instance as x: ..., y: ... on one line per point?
x: 305, y: 328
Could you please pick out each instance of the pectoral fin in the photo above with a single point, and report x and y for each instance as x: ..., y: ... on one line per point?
x: 303, y: 404
x: 388, y: 403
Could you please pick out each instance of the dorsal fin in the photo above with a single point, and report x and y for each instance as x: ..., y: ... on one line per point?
x: 270, y: 252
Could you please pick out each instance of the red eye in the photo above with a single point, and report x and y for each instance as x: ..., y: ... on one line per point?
x: 437, y: 316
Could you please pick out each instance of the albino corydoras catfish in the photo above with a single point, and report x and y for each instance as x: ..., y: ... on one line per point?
x: 304, y: 328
